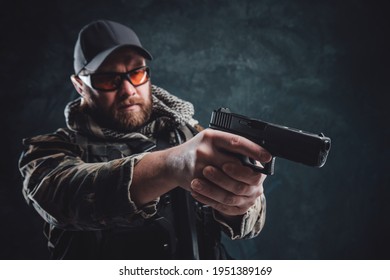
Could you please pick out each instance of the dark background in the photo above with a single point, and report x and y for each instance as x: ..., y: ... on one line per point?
x: 321, y: 66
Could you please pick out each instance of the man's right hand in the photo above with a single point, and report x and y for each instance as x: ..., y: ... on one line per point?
x: 208, y: 167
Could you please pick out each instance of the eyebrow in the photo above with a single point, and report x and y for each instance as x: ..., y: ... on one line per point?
x: 116, y: 72
x: 107, y: 71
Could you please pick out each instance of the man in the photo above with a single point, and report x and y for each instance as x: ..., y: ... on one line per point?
x: 133, y: 176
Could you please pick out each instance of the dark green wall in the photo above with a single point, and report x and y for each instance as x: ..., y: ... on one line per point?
x: 321, y: 66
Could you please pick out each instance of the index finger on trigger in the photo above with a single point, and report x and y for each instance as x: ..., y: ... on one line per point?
x: 241, y: 145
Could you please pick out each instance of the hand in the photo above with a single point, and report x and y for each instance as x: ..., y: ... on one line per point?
x: 208, y: 167
x: 231, y: 191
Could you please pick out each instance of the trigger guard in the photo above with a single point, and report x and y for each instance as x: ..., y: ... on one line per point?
x: 268, y: 168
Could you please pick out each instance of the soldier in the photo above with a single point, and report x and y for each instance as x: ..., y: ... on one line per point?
x: 133, y: 175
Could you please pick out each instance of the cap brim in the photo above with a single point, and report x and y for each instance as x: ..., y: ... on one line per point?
x: 94, y: 64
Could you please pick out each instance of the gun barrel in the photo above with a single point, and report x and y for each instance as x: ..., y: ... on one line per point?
x: 281, y: 141
x: 297, y: 145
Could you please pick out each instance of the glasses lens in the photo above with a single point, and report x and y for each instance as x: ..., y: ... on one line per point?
x: 112, y: 81
x: 139, y: 76
x: 106, y: 81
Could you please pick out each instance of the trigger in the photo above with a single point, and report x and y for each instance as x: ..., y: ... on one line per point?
x: 268, y: 168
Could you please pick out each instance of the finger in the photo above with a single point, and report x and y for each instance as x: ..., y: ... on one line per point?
x: 238, y: 144
x: 223, y: 208
x: 214, y: 192
x: 230, y: 184
x: 243, y: 173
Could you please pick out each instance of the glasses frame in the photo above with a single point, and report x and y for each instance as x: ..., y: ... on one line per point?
x: 87, y: 78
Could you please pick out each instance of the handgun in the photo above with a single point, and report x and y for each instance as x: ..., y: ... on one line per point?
x: 280, y: 141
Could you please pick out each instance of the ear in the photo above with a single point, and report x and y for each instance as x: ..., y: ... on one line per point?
x: 78, y: 84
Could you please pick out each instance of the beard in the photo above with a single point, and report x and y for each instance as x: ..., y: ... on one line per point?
x: 120, y: 119
x: 127, y: 121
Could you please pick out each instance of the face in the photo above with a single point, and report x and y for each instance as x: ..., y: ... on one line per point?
x: 126, y: 108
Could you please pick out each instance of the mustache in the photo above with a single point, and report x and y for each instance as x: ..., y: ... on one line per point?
x: 130, y: 101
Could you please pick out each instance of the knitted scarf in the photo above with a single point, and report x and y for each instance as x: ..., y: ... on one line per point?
x: 168, y: 111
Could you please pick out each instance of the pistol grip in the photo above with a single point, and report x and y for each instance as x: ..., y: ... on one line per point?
x: 268, y: 168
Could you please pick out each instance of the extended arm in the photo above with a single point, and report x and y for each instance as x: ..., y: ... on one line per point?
x: 68, y: 192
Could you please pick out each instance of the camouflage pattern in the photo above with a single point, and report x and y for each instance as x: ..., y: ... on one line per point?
x: 74, y: 195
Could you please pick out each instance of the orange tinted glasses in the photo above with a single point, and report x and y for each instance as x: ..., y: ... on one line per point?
x: 109, y: 81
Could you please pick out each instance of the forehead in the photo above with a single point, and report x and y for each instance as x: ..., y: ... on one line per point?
x: 122, y: 57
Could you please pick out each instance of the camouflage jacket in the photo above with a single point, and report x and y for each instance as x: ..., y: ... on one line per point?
x: 73, y: 194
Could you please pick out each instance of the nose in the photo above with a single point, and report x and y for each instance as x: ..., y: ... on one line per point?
x: 127, y: 88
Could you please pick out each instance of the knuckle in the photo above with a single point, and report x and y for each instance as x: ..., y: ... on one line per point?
x: 235, y: 140
x: 230, y: 200
x: 209, y: 172
x: 240, y: 189
x: 222, y: 208
x: 207, y: 134
x: 258, y: 192
x: 200, y: 153
x: 258, y: 180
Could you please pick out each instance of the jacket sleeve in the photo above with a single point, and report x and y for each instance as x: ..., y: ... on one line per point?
x: 72, y: 194
x: 252, y: 222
